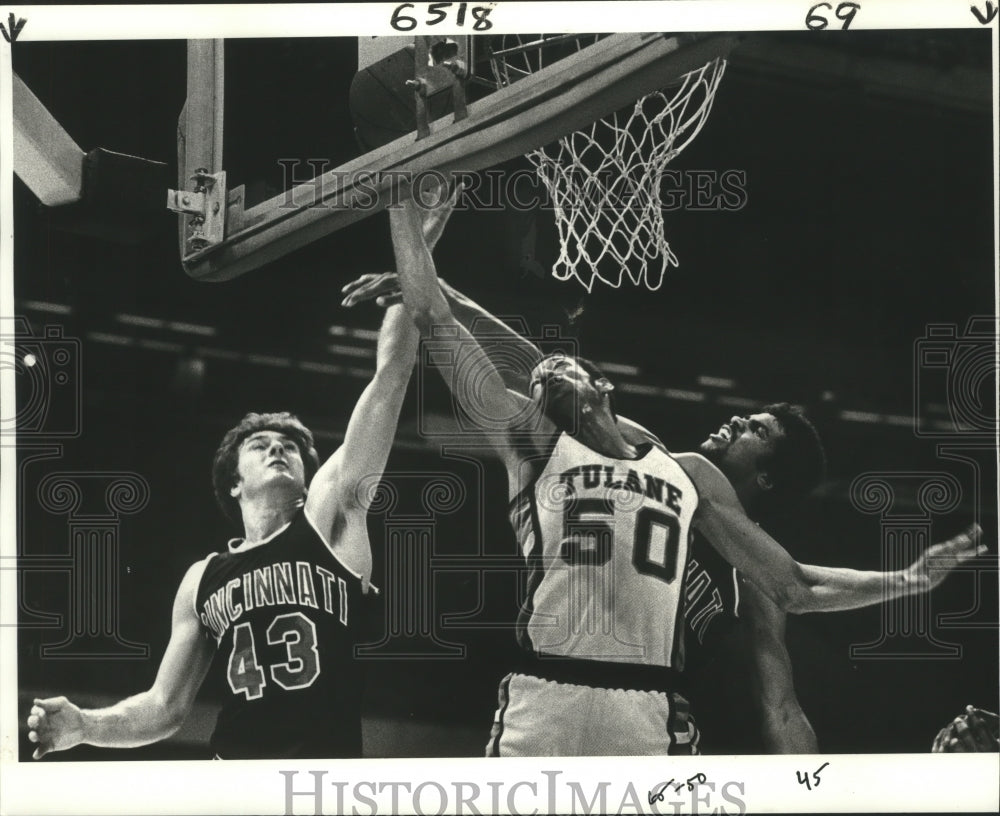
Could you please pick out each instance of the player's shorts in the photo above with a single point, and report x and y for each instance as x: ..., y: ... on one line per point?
x: 539, y: 717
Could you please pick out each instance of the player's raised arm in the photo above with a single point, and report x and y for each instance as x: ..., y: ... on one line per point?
x: 800, y: 588
x: 838, y: 588
x: 56, y: 724
x: 786, y: 730
x: 372, y: 427
x: 384, y: 288
x: 471, y: 376
x: 345, y: 482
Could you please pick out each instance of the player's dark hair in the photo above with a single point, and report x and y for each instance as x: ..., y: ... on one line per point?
x: 224, y: 473
x: 594, y: 372
x: 798, y: 463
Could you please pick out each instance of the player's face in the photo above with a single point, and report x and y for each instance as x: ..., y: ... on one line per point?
x: 558, y: 382
x: 268, y: 461
x: 742, y: 442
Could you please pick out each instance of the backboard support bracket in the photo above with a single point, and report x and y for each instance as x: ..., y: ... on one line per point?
x: 205, y: 207
x: 439, y: 63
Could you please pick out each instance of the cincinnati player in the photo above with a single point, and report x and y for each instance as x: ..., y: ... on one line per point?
x: 284, y: 604
x: 721, y: 601
x: 604, y: 525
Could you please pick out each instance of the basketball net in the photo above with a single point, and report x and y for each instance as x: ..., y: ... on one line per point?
x: 605, y: 181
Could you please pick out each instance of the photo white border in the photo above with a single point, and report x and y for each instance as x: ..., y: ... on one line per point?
x: 850, y: 783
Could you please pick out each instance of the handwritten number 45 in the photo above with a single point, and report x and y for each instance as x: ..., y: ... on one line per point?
x: 844, y: 12
x: 804, y: 777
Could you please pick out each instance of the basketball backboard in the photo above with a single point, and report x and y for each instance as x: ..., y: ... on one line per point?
x: 561, y: 97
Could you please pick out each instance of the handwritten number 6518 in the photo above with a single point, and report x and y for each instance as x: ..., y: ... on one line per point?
x: 844, y: 12
x: 438, y: 13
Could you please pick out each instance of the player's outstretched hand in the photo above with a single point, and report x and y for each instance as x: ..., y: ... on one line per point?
x: 382, y: 287
x: 933, y: 566
x: 976, y: 731
x: 55, y: 724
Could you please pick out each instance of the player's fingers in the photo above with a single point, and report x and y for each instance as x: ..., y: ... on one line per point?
x: 357, y: 296
x: 354, y: 284
x: 979, y: 731
x: 968, y: 540
x: 375, y: 288
x: 964, y: 735
x: 372, y: 291
x: 347, y: 291
x: 38, y: 720
x: 364, y: 280
x: 50, y: 703
x: 373, y: 282
x: 41, y: 751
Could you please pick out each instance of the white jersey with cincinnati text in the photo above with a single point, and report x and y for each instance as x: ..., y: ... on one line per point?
x: 606, y: 541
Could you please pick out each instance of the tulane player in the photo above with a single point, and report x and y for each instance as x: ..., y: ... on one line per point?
x: 604, y: 519
x: 285, y: 603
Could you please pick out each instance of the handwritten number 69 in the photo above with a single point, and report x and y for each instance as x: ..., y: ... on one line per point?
x: 844, y: 12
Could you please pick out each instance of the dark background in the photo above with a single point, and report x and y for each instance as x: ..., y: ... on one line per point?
x: 868, y: 217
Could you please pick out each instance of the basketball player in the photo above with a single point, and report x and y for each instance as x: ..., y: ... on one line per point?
x: 285, y: 603
x: 718, y: 600
x: 604, y: 524
x: 975, y: 731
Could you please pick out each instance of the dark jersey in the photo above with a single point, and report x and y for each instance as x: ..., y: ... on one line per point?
x: 285, y: 614
x: 711, y: 604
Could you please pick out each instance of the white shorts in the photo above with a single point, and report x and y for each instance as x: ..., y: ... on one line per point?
x: 539, y: 717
